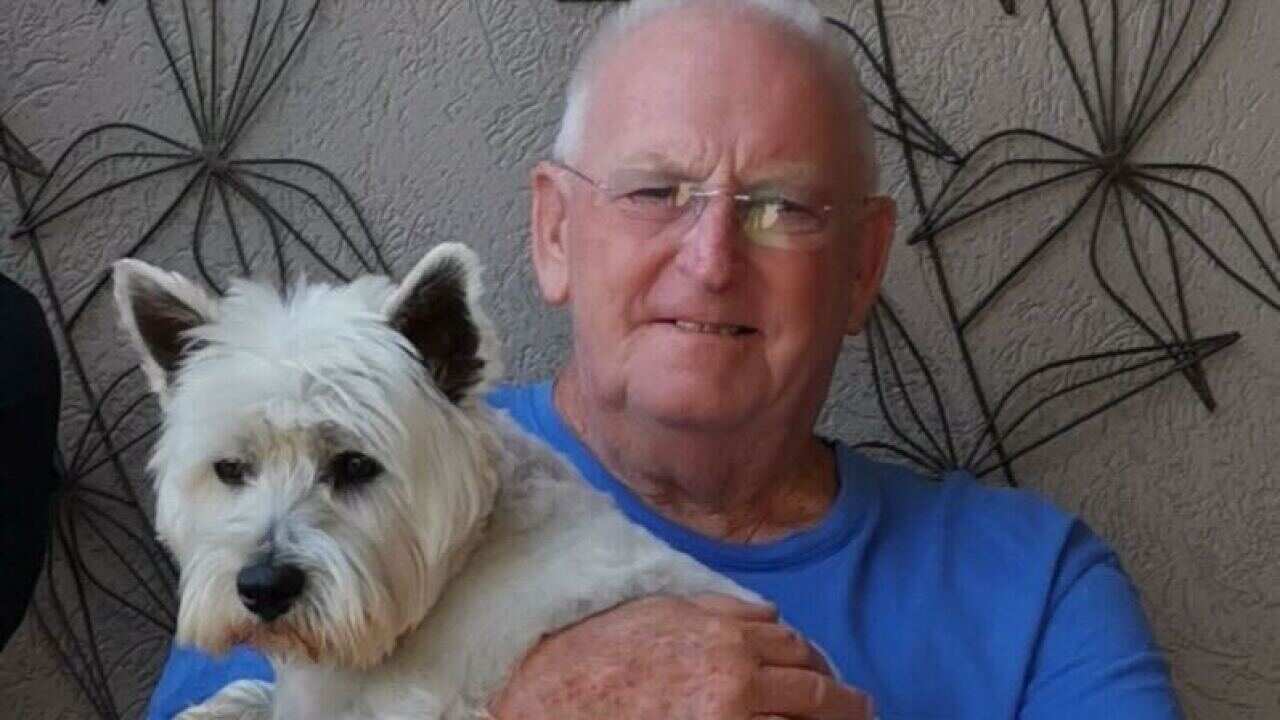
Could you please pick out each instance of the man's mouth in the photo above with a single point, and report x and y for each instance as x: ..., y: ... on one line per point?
x: 721, y: 329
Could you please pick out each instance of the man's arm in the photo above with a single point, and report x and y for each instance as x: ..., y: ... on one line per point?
x: 719, y: 653
x: 1096, y: 657
x: 712, y: 658
x: 191, y: 677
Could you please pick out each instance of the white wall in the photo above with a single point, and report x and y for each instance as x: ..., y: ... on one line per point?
x: 433, y: 112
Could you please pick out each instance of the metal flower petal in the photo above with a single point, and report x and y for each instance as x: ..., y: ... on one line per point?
x: 909, y: 396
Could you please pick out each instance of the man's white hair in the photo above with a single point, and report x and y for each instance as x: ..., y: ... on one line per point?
x: 798, y: 17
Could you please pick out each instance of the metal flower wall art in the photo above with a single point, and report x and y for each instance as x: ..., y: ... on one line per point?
x: 1126, y: 66
x: 104, y: 558
x: 1117, y: 192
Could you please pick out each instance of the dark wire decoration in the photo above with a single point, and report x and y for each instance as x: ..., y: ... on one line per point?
x: 102, y: 532
x: 1120, y: 187
x: 16, y: 156
x: 68, y: 624
x: 104, y: 556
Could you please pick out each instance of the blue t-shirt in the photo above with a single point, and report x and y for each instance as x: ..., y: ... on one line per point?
x: 943, y: 601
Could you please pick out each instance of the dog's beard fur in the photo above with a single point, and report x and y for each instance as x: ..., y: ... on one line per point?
x: 348, y: 613
x: 287, y: 384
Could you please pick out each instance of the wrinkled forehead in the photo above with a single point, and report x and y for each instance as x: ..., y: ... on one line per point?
x: 707, y: 90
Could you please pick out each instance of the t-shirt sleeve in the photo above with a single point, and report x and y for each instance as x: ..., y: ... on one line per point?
x: 190, y: 677
x: 1096, y: 657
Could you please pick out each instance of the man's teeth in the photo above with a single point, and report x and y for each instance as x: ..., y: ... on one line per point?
x: 709, y: 328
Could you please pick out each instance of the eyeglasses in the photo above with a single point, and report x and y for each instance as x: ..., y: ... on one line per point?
x: 770, y: 218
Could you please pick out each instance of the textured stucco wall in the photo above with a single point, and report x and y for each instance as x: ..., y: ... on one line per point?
x: 433, y: 112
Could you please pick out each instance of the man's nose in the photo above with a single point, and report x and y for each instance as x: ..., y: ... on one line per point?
x: 710, y: 248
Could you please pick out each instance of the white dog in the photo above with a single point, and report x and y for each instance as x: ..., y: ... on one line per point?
x: 339, y: 496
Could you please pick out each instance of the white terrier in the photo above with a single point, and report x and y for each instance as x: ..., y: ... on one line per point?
x: 339, y: 496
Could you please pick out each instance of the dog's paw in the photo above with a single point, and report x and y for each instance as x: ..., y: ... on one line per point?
x: 241, y: 700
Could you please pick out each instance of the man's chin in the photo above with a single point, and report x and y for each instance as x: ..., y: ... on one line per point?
x: 690, y: 403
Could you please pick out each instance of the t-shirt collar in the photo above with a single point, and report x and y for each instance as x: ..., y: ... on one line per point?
x: 855, y: 508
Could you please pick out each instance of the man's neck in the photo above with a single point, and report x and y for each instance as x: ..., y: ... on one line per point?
x: 746, y: 488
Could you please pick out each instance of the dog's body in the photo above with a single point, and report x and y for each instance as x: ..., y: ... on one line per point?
x: 554, y: 552
x: 339, y: 497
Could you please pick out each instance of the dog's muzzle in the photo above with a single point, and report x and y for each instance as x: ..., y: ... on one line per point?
x: 268, y: 589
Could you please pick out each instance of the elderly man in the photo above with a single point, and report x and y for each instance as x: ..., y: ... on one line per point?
x: 710, y: 223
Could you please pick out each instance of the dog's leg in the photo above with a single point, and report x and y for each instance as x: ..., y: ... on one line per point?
x: 241, y: 700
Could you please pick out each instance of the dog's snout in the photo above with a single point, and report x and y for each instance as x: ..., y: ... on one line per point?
x: 268, y: 589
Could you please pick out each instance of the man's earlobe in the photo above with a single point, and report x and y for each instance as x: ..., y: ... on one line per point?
x: 437, y: 309
x: 158, y: 311
x: 547, y: 241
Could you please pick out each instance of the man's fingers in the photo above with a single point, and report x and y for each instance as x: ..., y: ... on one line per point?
x: 733, y: 607
x: 798, y: 693
x: 779, y: 645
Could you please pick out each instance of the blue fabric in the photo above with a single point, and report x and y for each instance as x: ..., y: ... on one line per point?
x: 191, y: 677
x: 945, y: 600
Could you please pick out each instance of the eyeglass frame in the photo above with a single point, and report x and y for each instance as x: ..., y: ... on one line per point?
x: 698, y: 197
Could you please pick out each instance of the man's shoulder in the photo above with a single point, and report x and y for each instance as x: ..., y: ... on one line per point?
x: 1001, y: 560
x: 997, y: 530
x: 528, y: 405
x: 957, y: 492
x: 512, y: 397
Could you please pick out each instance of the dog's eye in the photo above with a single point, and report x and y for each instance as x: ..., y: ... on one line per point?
x: 231, y: 472
x: 352, y: 468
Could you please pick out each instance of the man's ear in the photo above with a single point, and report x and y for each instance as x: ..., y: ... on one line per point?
x: 437, y: 308
x: 547, y: 241
x: 158, y: 310
x: 874, y: 237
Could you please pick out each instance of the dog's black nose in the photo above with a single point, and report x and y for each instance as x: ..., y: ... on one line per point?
x: 268, y: 590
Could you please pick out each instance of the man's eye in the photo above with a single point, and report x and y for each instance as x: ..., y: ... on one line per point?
x: 231, y: 472
x: 350, y: 469
x: 790, y: 205
x: 782, y: 214
x: 662, y: 194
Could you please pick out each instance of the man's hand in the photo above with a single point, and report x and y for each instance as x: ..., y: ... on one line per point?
x: 661, y: 658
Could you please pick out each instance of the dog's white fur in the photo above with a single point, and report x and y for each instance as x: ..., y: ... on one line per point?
x: 423, y: 587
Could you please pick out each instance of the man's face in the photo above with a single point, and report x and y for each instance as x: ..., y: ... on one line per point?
x: 688, y: 324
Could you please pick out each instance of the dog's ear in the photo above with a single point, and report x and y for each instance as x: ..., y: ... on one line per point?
x: 157, y: 309
x: 437, y: 308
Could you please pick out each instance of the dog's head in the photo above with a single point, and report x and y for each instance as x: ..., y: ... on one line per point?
x: 323, y: 463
